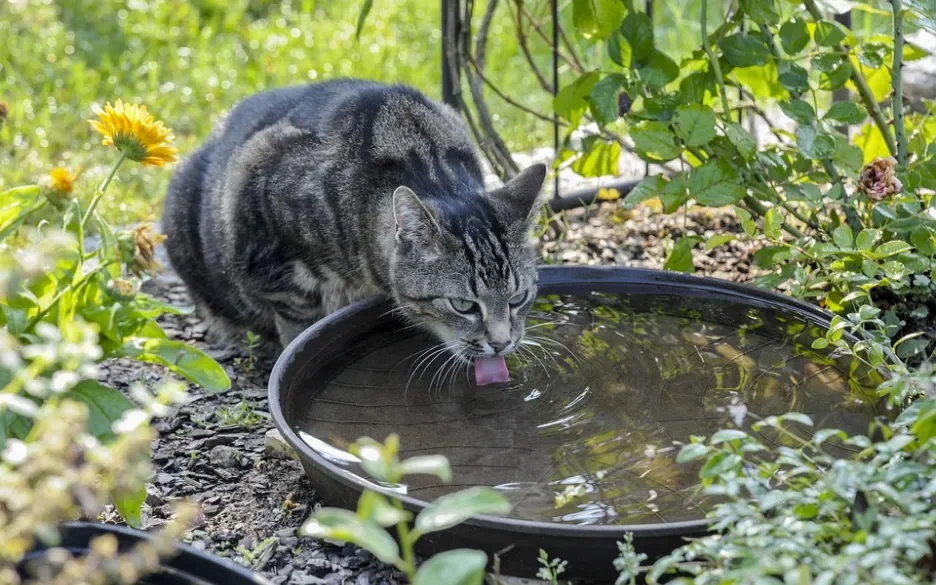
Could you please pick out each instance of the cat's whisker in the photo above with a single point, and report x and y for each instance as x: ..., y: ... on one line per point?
x: 535, y: 357
x: 557, y: 343
x: 529, y: 343
x: 436, y: 352
x: 548, y: 323
x: 440, y: 373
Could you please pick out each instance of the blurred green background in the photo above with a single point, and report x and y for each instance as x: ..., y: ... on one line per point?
x: 190, y: 60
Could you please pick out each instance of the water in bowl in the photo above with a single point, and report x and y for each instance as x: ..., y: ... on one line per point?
x: 603, y: 392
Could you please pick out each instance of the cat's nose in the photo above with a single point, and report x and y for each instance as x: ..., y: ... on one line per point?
x: 498, y: 346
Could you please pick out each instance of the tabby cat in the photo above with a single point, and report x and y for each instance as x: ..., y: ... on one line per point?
x: 307, y: 198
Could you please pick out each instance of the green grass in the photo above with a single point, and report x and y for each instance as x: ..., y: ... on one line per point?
x: 190, y: 60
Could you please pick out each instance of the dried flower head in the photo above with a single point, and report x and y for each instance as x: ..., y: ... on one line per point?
x: 138, y: 249
x: 62, y: 180
x: 878, y: 180
x: 133, y: 131
x: 4, y: 112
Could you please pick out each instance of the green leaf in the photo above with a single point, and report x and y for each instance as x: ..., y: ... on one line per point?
x: 16, y: 205
x: 891, y: 248
x: 130, y: 507
x: 362, y: 18
x: 726, y: 435
x: 813, y: 144
x: 454, y: 567
x: 674, y: 194
x: 16, y: 320
x: 829, y: 33
x: 603, y: 99
x: 105, y: 406
x: 846, y: 113
x: 694, y: 124
x: 436, y: 465
x: 924, y: 241
x: 453, y: 509
x: 680, y: 259
x: 715, y: 184
x: 741, y: 139
x: 691, y: 452
x: 345, y: 526
x: 799, y: 111
x: 823, y: 435
x: 743, y: 50
x: 718, y: 240
x: 820, y: 343
x: 572, y: 100
x: 867, y: 238
x: 837, y: 77
x: 647, y: 189
x: 659, y: 70
x: 761, y: 11
x: 794, y: 36
x: 603, y: 158
x: 655, y: 142
x: 869, y: 267
x: 894, y: 269
x: 596, y: 19
x: 773, y: 224
x: 181, y: 358
x: 631, y: 45
x: 796, y: 417
x: 375, y: 507
x: 842, y: 236
x: 792, y: 76
x: 769, y: 256
x: 747, y: 222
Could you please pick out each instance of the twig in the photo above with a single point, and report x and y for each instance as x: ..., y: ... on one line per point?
x: 539, y: 31
x: 900, y: 130
x: 713, y: 61
x: 497, y: 91
x: 525, y: 49
x: 864, y: 91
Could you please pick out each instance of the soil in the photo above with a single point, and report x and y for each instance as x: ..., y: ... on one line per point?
x: 212, y: 451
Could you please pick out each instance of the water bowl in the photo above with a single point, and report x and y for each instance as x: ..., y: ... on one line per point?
x: 620, y: 367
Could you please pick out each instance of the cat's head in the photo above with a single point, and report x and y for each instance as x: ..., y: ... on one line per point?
x: 464, y: 267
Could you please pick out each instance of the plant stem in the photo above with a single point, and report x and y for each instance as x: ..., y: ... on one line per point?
x: 101, y: 189
x: 864, y: 91
x: 406, y: 543
x: 713, y: 60
x: 900, y: 131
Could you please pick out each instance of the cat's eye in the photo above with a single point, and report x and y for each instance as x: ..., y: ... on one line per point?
x: 519, y: 299
x: 463, y: 306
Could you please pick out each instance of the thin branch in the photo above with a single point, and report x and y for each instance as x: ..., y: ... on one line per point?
x: 539, y: 31
x: 497, y: 91
x: 900, y: 131
x: 525, y: 49
x: 713, y: 61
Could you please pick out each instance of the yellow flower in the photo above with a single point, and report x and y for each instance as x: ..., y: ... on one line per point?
x: 133, y: 131
x: 608, y: 194
x: 62, y: 180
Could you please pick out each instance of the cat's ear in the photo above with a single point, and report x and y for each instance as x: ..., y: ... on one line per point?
x: 415, y: 222
x: 520, y: 194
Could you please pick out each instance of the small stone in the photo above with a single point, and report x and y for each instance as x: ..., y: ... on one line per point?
x: 224, y: 456
x: 276, y: 446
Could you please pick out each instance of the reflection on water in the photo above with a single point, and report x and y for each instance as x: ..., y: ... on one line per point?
x: 586, y: 431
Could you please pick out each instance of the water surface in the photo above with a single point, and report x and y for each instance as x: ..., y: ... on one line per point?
x: 607, y: 387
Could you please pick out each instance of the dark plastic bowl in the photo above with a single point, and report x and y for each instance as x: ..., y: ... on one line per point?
x: 316, y: 355
x: 189, y: 566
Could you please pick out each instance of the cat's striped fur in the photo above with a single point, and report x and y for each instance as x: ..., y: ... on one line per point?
x: 307, y: 198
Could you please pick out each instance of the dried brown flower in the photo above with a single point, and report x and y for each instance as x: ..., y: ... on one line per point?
x: 878, y: 180
x: 139, y: 249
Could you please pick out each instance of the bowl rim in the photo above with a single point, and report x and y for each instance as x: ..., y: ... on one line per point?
x: 552, y: 277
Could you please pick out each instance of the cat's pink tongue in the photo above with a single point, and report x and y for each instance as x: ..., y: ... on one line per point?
x: 492, y: 370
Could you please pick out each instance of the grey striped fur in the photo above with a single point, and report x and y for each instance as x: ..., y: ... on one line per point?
x: 308, y: 198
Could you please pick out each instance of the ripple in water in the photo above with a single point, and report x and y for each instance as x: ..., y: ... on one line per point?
x: 606, y: 387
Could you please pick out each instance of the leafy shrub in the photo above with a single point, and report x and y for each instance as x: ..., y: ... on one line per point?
x: 375, y: 512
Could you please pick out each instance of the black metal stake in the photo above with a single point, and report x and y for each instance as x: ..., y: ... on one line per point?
x: 555, y: 65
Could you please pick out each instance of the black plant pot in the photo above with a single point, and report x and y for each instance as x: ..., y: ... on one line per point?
x: 189, y: 566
